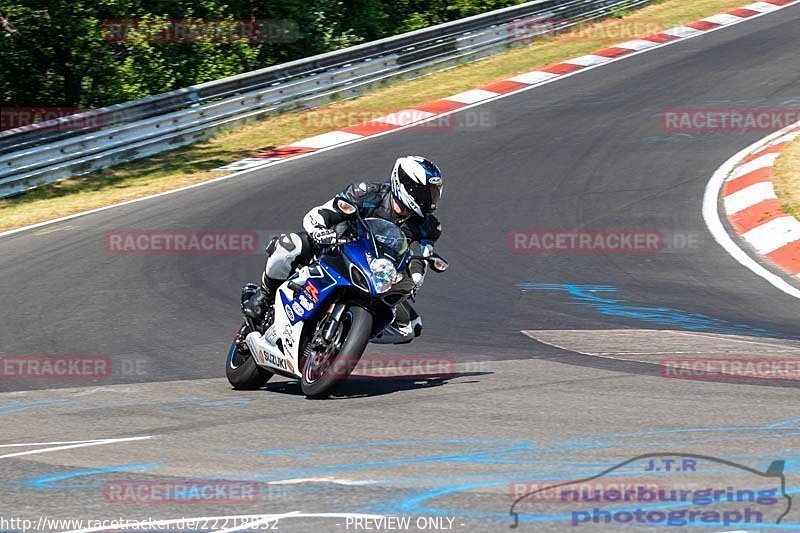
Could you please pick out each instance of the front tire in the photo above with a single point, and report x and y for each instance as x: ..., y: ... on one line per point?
x: 356, y: 327
x: 242, y: 371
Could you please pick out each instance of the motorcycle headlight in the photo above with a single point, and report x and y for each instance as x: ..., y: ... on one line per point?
x: 383, y: 274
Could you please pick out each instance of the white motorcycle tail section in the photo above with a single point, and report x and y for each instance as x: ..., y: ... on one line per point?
x: 266, y: 349
x: 288, y: 334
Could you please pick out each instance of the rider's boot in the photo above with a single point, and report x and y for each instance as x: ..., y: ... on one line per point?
x: 415, y: 321
x: 257, y: 299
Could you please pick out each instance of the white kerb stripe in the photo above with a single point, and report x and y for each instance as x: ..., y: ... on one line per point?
x: 789, y: 137
x: 682, y: 31
x: 405, y: 117
x: 246, y: 163
x: 723, y: 19
x: 532, y: 78
x: 766, y: 160
x: 588, y: 60
x: 470, y: 97
x: 771, y: 235
x: 636, y: 44
x: 749, y: 196
x: 326, y: 139
x: 761, y: 7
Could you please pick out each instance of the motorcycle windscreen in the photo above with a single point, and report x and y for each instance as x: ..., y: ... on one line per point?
x: 390, y: 241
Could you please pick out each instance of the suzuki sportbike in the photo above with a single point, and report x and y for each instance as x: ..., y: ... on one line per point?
x: 325, y: 314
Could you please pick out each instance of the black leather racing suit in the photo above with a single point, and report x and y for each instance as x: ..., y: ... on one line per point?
x: 289, y: 251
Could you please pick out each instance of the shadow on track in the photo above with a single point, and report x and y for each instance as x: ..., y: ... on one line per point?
x: 364, y: 387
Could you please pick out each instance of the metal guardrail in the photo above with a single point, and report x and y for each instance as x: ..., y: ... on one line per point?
x: 42, y: 153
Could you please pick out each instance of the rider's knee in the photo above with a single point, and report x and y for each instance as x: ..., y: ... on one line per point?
x: 282, y: 251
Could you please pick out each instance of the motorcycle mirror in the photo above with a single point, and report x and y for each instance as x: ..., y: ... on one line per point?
x: 437, y: 263
x: 345, y: 207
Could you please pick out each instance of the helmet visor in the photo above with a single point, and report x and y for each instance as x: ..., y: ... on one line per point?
x: 426, y: 196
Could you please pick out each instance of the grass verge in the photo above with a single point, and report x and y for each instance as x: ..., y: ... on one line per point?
x: 196, y: 163
x: 786, y: 178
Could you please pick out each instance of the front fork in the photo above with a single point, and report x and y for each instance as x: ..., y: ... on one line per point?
x: 331, y: 323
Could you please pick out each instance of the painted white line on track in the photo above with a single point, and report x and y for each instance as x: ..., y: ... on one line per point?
x: 71, y: 446
x: 320, y: 480
x: 21, y: 444
x: 712, y: 218
x: 789, y: 137
x: 685, y: 33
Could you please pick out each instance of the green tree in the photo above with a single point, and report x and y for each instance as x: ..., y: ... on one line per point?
x: 64, y: 52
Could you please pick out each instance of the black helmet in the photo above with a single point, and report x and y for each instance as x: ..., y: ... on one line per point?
x: 417, y: 184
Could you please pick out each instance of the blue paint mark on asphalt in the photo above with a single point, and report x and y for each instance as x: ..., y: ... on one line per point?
x: 528, y: 461
x: 195, y: 402
x: 415, y: 506
x: 468, y: 456
x: 515, y: 460
x: 54, y: 481
x: 302, y: 452
x: 192, y: 402
x: 17, y: 406
x: 587, y: 295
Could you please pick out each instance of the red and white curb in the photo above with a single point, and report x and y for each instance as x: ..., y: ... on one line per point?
x: 755, y: 212
x: 744, y: 184
x: 445, y: 106
x: 429, y: 110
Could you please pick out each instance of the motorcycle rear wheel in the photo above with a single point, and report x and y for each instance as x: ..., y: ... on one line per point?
x: 241, y: 369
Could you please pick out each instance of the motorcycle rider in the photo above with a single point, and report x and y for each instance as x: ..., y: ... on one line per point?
x: 408, y: 200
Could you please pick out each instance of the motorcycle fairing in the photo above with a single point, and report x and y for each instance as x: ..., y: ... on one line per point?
x: 279, y: 348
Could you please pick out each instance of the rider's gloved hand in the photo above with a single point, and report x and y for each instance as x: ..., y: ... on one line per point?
x: 324, y: 237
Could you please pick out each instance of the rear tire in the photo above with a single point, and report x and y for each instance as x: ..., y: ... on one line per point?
x: 242, y: 371
x: 360, y: 327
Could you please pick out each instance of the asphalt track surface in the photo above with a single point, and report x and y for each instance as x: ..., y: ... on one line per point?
x: 585, y: 152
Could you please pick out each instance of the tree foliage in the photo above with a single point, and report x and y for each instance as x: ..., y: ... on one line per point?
x: 59, y: 52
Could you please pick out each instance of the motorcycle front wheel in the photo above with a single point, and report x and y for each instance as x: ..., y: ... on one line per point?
x: 324, y: 370
x: 242, y: 371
